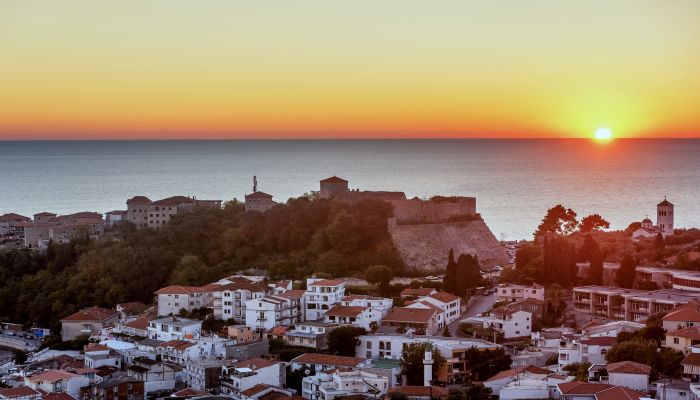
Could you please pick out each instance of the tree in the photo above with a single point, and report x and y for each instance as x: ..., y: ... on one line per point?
x: 588, y: 248
x: 342, y: 340
x: 479, y: 392
x: 626, y: 272
x: 633, y: 227
x: 593, y: 222
x: 578, y: 370
x: 450, y: 273
x: 663, y: 360
x: 446, y: 331
x: 487, y: 363
x: 379, y: 275
x: 558, y: 220
x: 554, y: 304
x: 595, y: 270
x: 468, y: 274
x: 412, y: 362
x: 659, y: 243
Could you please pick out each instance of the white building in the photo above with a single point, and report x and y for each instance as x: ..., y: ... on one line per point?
x: 352, y: 315
x: 511, y: 293
x: 273, y: 310
x: 174, y: 328
x: 390, y: 345
x: 628, y: 304
x: 320, y: 296
x: 377, y: 305
x: 310, y: 334
x: 57, y: 381
x: 448, y: 303
x: 258, y: 201
x: 506, y: 322
x: 527, y: 382
x: 325, y: 386
x: 228, y: 301
x: 180, y: 352
x: 245, y: 374
x: 577, y: 350
x: 664, y: 222
x: 174, y: 298
x: 324, y: 362
x: 154, y: 374
x: 629, y: 374
x: 97, y: 355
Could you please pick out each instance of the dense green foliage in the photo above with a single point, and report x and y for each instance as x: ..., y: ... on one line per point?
x: 578, y: 370
x: 412, y: 362
x: 342, y: 341
x: 463, y: 275
x: 380, y: 275
x: 487, y: 363
x: 291, y: 240
x: 474, y: 392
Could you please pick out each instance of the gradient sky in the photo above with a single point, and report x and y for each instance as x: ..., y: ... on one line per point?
x: 262, y: 69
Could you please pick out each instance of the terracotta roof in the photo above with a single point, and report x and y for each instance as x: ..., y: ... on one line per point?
x: 94, y: 347
x: 117, y: 212
x: 91, y: 314
x: 444, y: 297
x: 177, y: 344
x: 14, y: 217
x: 328, y: 359
x: 282, y: 284
x: 258, y: 195
x: 256, y: 363
x: 531, y: 300
x: 189, y: 392
x: 327, y: 282
x: 418, y: 292
x: 57, y: 396
x: 692, y: 359
x: 629, y: 367
x: 686, y: 313
x: 139, y: 323
x: 429, y: 305
x: 420, y: 391
x: 532, y: 369
x: 20, y: 391
x: 600, y: 341
x: 83, y: 214
x: 45, y: 214
x: 691, y: 332
x: 346, y: 311
x: 134, y: 307
x: 177, y: 289
x: 173, y: 201
x: 334, y: 179
x: 665, y: 203
x: 405, y: 314
x: 249, y: 286
x: 590, y: 324
x: 293, y: 294
x: 279, y: 330
x: 52, y: 375
x: 255, y: 389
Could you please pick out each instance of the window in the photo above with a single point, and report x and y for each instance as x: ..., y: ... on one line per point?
x: 676, y: 340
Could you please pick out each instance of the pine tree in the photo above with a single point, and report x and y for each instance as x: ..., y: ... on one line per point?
x: 626, y: 273
x: 450, y: 274
x: 595, y: 271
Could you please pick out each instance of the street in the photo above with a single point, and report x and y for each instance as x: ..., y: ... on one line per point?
x: 481, y: 304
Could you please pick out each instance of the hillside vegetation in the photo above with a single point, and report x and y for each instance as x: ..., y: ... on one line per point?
x: 291, y: 240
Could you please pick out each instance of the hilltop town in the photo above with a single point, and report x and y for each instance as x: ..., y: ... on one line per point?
x: 555, y: 318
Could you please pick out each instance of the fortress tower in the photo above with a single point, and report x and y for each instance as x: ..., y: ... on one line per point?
x: 664, y: 216
x: 333, y: 186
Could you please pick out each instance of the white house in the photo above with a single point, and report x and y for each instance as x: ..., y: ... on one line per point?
x: 629, y: 374
x: 324, y: 362
x: 506, y: 322
x: 245, y: 374
x: 496, y: 382
x: 174, y: 298
x: 272, y: 310
x: 577, y: 349
x: 377, y: 305
x: 329, y: 386
x: 174, y: 328
x: 178, y: 352
x: 57, y: 381
x: 228, y: 301
x: 97, y: 355
x: 352, y: 315
x: 320, y: 296
x: 309, y: 334
x: 511, y: 293
x: 448, y: 303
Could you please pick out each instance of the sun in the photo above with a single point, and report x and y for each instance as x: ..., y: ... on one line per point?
x: 603, y: 134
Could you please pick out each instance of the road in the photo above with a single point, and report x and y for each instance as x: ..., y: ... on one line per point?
x: 480, y: 305
x: 17, y: 342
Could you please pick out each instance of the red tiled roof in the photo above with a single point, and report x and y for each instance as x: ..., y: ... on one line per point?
x: 418, y: 292
x: 420, y: 391
x: 249, y: 286
x: 177, y: 344
x: 14, y: 217
x: 52, y: 375
x: 189, y: 392
x: 258, y: 195
x: 255, y: 389
x: 327, y: 282
x: 94, y: 347
x: 619, y: 393
x: 405, y: 314
x: 279, y: 330
x: 444, y: 297
x: 293, y: 294
x: 532, y: 369
x: 334, y: 179
x: 579, y: 387
x: 134, y: 307
x: 254, y: 363
x: 173, y: 201
x: 629, y: 367
x: 91, y: 314
x: 692, y: 359
x: 691, y: 332
x: 83, y: 214
x: 346, y: 311
x: 177, y: 289
x: 45, y: 214
x: 57, y: 396
x: 685, y: 313
x: 20, y: 391
x: 139, y: 323
x: 327, y: 359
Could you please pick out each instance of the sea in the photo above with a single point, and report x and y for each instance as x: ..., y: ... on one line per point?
x: 514, y: 181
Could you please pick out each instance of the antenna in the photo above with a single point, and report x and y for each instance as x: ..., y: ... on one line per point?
x: 255, y: 183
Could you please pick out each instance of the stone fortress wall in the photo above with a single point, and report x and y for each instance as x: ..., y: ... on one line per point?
x: 417, y: 211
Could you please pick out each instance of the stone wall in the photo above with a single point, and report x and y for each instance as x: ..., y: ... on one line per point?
x: 418, y: 211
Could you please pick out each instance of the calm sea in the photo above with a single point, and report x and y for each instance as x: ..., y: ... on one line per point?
x: 514, y: 181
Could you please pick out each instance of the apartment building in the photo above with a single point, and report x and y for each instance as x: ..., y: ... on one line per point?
x: 145, y: 213
x: 669, y: 278
x: 87, y: 321
x: 320, y: 296
x: 13, y: 224
x: 578, y: 349
x: 258, y: 201
x: 228, y: 301
x: 628, y: 304
x: 48, y: 227
x: 421, y: 321
x: 174, y: 298
x: 508, y: 293
x: 378, y: 306
x: 507, y: 323
x: 310, y: 334
x: 329, y: 386
x: 174, y: 328
x: 245, y: 374
x: 270, y: 311
x: 352, y: 315
x: 447, y: 302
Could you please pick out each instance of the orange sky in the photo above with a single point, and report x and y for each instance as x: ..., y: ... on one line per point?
x: 256, y: 69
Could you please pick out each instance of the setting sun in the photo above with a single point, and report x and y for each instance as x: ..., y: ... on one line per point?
x: 603, y: 134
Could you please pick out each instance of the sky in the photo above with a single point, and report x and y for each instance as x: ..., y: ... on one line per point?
x: 161, y: 69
